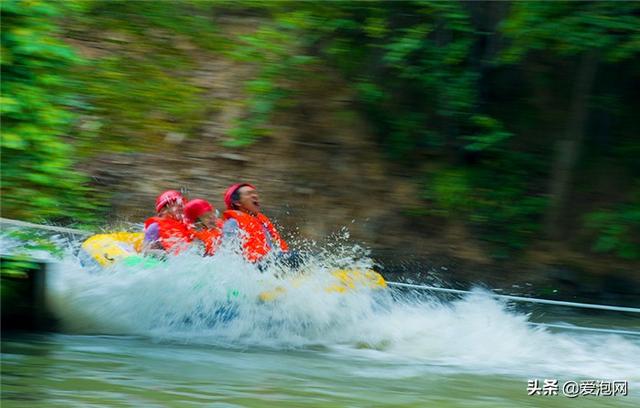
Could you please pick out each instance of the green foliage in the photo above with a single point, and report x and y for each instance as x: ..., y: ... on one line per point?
x: 570, y: 28
x: 508, y: 217
x: 490, y: 136
x: 505, y: 213
x: 609, y: 33
x: 140, y: 88
x: 31, y: 241
x: 17, y: 267
x: 276, y: 49
x: 120, y: 102
x: 58, y: 108
x: 617, y: 230
x: 38, y: 179
x: 413, y: 74
x: 418, y: 79
x: 449, y: 190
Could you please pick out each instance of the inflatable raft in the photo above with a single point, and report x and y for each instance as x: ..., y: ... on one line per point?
x: 124, y: 247
x: 107, y: 249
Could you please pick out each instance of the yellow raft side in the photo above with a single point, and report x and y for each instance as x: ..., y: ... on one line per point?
x: 108, y: 248
x: 346, y: 280
x: 349, y: 279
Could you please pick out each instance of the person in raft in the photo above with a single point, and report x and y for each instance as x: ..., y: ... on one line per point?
x: 204, y: 225
x: 167, y: 232
x: 243, y: 221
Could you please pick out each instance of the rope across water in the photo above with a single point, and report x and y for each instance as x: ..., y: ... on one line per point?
x: 541, y: 301
x: 520, y: 298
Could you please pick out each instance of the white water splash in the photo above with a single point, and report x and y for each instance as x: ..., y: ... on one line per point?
x: 215, y: 301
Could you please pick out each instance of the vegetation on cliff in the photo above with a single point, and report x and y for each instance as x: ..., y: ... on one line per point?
x: 518, y: 119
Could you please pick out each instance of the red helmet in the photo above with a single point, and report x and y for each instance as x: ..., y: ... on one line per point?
x: 231, y: 190
x: 195, y: 209
x: 168, y: 197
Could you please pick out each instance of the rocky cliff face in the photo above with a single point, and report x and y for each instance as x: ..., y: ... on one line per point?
x: 321, y: 170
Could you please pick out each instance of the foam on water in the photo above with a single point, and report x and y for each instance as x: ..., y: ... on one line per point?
x: 214, y: 300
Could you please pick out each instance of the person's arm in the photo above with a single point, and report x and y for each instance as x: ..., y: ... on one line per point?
x: 151, y: 244
x: 268, y: 236
x: 230, y: 230
x: 232, y: 235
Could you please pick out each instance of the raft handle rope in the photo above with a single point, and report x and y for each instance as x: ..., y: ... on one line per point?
x: 521, y: 298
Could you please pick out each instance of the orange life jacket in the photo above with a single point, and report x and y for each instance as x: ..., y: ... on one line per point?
x: 210, y: 238
x: 255, y: 244
x: 172, y: 232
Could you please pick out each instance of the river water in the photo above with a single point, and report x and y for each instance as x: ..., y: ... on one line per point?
x: 190, y: 332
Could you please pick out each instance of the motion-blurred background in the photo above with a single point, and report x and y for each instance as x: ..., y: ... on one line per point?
x: 488, y: 141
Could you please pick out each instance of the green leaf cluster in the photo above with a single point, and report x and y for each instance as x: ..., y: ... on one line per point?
x: 570, y: 28
x: 617, y: 230
x: 38, y: 148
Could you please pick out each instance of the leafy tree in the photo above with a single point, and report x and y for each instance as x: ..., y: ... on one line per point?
x: 593, y: 34
x: 38, y: 178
